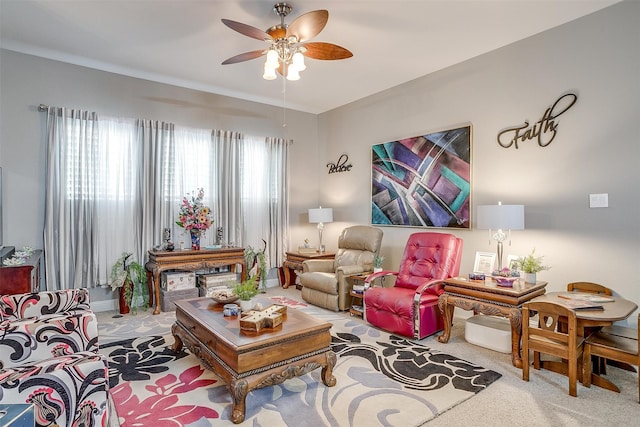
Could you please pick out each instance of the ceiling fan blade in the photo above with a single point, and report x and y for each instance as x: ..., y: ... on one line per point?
x: 309, y: 25
x: 320, y: 50
x: 247, y: 30
x: 244, y: 57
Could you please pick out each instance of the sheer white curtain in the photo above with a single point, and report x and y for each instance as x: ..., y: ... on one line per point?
x: 265, y: 202
x: 114, y: 184
x: 191, y: 166
x: 228, y: 213
x: 90, y: 205
x: 157, y: 141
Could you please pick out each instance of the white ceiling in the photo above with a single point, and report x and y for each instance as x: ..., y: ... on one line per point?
x: 183, y: 42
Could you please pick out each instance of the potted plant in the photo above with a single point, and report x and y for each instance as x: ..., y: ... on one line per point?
x: 257, y: 258
x: 531, y: 265
x: 245, y: 291
x: 377, y: 263
x: 130, y: 278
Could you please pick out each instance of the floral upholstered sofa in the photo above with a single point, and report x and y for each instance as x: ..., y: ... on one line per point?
x: 49, y: 358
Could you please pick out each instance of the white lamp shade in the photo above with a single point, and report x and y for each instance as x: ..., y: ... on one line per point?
x: 321, y: 215
x: 500, y: 217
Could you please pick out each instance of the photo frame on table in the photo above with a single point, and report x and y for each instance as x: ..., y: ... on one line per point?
x: 484, y: 263
x: 511, y: 259
x: 423, y: 181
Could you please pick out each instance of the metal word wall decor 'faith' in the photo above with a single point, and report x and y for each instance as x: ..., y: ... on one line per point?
x: 340, y: 166
x: 544, y: 130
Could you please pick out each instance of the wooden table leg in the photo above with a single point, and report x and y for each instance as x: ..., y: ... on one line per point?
x: 156, y: 289
x: 287, y: 276
x: 515, y: 319
x: 447, y: 313
x: 239, y: 390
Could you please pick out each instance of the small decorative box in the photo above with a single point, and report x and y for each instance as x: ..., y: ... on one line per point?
x: 476, y: 276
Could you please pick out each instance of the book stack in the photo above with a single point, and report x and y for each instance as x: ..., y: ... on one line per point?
x: 358, y: 289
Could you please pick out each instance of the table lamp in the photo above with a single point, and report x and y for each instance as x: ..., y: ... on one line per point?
x: 320, y: 216
x: 499, y: 218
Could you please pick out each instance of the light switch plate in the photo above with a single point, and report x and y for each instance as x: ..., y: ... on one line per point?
x: 599, y: 200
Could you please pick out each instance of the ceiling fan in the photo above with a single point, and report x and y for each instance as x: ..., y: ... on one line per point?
x: 288, y: 44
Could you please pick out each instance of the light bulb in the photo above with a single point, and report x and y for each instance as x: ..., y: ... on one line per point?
x: 292, y: 73
x: 298, y: 61
x: 272, y: 58
x: 269, y: 73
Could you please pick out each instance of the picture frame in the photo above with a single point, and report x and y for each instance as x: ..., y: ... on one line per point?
x: 423, y: 181
x: 484, y: 263
x: 510, y: 261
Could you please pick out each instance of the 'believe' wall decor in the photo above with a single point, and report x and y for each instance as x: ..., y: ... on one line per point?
x: 340, y: 166
x: 544, y: 130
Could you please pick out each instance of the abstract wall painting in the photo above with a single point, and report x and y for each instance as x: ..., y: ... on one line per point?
x: 423, y: 181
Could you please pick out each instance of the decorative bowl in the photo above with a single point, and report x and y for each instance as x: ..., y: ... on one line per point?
x: 505, y: 281
x: 224, y: 296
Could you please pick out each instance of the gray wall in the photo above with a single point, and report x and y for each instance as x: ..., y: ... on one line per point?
x: 595, y: 151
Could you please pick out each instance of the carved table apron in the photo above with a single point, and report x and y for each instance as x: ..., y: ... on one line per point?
x: 487, y: 298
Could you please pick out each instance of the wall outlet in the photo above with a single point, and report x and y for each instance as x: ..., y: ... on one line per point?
x: 599, y: 200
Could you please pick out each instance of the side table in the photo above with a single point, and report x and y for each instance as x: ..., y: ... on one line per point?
x: 357, y: 306
x: 357, y: 298
x: 292, y: 265
x: 487, y: 297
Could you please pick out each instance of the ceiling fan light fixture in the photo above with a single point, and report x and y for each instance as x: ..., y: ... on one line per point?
x: 292, y: 73
x: 288, y: 44
x: 272, y: 59
x: 298, y: 61
x: 269, y: 73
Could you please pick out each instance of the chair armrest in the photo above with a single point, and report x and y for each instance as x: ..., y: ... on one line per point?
x: 383, y: 273
x: 433, y: 286
x: 350, y: 270
x: 20, y: 306
x: 318, y: 265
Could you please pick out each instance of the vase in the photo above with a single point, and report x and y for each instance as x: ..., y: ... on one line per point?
x: 195, y: 240
x: 246, y: 305
x: 124, y: 307
x: 530, y: 277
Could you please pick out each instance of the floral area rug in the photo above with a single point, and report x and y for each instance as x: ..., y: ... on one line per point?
x: 382, y: 380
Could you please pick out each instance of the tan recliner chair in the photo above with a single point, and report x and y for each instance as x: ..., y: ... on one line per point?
x: 324, y: 281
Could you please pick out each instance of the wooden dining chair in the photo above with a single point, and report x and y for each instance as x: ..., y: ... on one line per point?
x: 619, y: 343
x: 589, y: 287
x: 546, y: 338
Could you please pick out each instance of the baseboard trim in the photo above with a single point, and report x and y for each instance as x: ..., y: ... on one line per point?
x: 105, y: 305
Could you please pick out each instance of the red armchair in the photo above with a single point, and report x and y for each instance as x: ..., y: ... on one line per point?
x: 410, y: 307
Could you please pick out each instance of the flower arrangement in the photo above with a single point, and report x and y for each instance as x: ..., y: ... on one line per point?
x: 194, y: 216
x: 531, y: 263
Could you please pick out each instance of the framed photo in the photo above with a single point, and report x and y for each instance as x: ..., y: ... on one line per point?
x: 485, y: 262
x: 423, y: 181
x: 511, y: 259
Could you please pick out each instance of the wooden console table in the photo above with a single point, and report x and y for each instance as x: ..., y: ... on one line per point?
x: 189, y: 260
x: 487, y: 297
x: 293, y: 264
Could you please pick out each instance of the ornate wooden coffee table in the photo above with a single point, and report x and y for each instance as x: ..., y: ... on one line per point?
x: 248, y: 360
x: 488, y: 298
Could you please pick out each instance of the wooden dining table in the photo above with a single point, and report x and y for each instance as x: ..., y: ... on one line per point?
x: 613, y: 311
